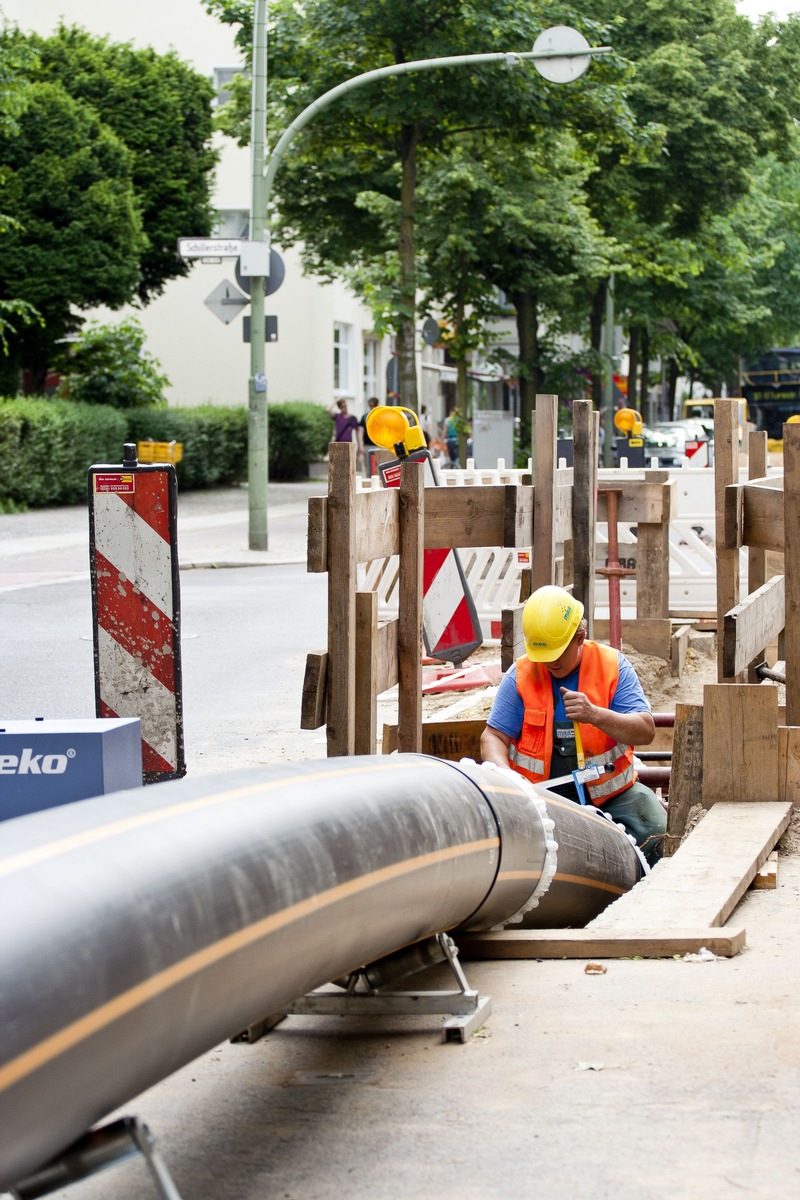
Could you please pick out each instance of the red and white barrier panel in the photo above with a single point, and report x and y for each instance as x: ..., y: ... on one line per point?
x: 133, y: 520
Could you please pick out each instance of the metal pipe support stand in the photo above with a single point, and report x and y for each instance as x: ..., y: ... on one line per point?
x: 96, y: 1150
x: 468, y: 1010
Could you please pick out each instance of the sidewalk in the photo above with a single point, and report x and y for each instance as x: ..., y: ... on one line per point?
x: 52, y: 545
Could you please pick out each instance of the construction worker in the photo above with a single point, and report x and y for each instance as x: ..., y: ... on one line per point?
x: 563, y: 680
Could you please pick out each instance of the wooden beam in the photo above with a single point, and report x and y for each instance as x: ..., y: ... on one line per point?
x: 686, y: 776
x: 652, y: 563
x: 750, y: 627
x: 544, y: 542
x: 366, y: 710
x: 409, y: 635
x: 641, y: 500
x: 512, y: 645
x: 313, y: 702
x: 791, y: 499
x: 757, y: 463
x: 452, y: 740
x: 701, y: 884
x: 588, y: 943
x: 518, y: 515
x: 317, y: 545
x: 341, y: 599
x: 766, y: 877
x: 726, y: 471
x: 386, y: 652
x: 377, y: 526
x: 679, y: 646
x: 762, y: 516
x: 463, y: 517
x: 789, y: 764
x: 653, y: 636
x: 740, y: 743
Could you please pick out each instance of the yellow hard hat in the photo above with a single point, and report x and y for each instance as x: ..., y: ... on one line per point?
x: 549, y: 621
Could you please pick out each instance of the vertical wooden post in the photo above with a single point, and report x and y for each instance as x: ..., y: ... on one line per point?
x: 726, y: 471
x: 366, y: 711
x: 409, y: 630
x: 544, y: 547
x: 341, y: 672
x: 584, y: 506
x: 791, y: 556
x: 652, y: 561
x: 756, y: 559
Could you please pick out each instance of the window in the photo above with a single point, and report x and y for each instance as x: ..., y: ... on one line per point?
x: 222, y: 82
x: 342, y: 368
x: 232, y: 223
x: 370, y: 373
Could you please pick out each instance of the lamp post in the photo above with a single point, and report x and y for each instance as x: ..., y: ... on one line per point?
x: 560, y: 55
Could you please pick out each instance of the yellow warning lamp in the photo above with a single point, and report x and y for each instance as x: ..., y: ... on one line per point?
x: 794, y: 420
x: 629, y: 422
x: 395, y: 428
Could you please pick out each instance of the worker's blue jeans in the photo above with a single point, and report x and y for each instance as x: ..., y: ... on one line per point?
x: 638, y: 809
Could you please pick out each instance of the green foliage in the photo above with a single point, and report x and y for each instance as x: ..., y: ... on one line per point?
x: 46, y: 446
x: 109, y: 365
x: 299, y: 433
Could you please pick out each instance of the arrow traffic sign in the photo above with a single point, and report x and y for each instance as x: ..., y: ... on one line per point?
x: 226, y: 301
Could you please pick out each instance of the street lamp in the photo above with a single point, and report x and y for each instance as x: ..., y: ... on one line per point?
x: 560, y: 54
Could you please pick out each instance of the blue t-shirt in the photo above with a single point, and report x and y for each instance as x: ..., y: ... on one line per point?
x: 508, y: 710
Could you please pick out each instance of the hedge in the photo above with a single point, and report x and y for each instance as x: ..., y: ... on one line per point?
x: 47, y: 445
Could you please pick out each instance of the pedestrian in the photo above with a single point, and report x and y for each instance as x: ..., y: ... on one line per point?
x: 563, y: 678
x: 425, y: 425
x: 345, y: 425
x: 366, y: 446
x: 450, y: 431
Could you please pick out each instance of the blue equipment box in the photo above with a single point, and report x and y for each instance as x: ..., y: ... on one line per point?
x: 47, y: 763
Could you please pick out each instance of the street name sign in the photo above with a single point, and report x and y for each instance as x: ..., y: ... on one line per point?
x: 210, y: 247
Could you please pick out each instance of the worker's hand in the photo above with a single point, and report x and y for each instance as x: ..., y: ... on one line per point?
x: 578, y: 707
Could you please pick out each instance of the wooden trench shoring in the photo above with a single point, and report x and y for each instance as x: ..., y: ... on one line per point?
x: 553, y: 517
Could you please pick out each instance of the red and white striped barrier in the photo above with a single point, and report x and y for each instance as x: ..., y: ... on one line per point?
x: 136, y: 605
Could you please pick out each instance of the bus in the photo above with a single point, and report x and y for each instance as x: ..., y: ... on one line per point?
x: 771, y: 386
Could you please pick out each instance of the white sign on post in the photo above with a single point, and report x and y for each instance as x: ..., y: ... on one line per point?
x: 210, y: 247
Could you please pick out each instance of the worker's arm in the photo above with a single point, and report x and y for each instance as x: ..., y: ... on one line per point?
x: 494, y: 746
x: 631, y: 729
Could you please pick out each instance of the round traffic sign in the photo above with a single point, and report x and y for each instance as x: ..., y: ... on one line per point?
x: 561, y: 40
x: 272, y: 282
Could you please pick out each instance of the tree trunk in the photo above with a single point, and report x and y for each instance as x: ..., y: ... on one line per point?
x: 645, y: 374
x: 633, y: 363
x: 596, y: 315
x: 406, y: 330
x: 672, y: 387
x: 531, y: 376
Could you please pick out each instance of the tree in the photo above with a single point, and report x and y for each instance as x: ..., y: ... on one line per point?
x: 108, y: 364
x: 359, y: 162
x: 109, y: 164
x: 77, y: 237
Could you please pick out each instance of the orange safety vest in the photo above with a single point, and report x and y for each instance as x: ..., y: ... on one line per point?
x: 531, y: 752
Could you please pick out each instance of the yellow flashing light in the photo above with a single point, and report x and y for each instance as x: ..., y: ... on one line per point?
x: 628, y: 421
x: 390, y: 425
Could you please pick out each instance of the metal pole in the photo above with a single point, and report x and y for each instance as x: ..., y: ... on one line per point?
x: 257, y: 435
x: 608, y: 394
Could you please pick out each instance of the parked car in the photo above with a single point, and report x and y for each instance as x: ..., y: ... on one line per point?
x: 677, y: 434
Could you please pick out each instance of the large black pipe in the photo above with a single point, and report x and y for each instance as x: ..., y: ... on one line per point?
x: 149, y: 925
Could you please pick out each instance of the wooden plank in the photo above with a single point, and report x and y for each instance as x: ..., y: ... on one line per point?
x: 341, y: 599
x: 652, y: 570
x: 544, y: 542
x: 789, y: 764
x: 653, y: 636
x: 409, y: 630
x: 463, y: 517
x: 766, y: 877
x: 388, y: 671
x: 366, y: 709
x: 750, y: 627
x: 704, y: 880
x: 317, y: 548
x: 726, y: 471
x: 686, y: 777
x: 451, y: 740
x: 678, y: 649
x: 313, y: 702
x: 757, y: 463
x: 562, y: 514
x: 377, y: 532
x: 740, y: 743
x: 762, y: 517
x: 641, y: 500
x: 518, y: 515
x: 791, y: 633
x: 586, y: 943
x: 512, y: 645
